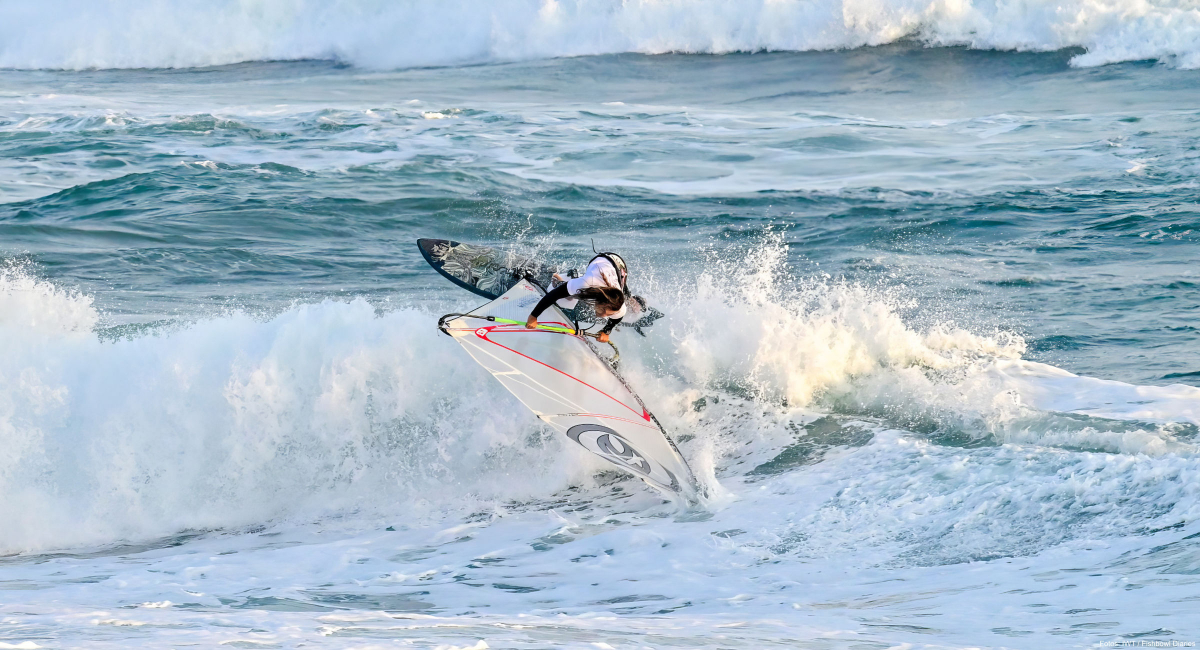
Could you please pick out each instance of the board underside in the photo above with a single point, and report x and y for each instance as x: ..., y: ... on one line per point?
x: 488, y: 272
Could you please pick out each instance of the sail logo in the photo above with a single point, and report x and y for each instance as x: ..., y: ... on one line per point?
x: 611, y: 446
x: 619, y: 449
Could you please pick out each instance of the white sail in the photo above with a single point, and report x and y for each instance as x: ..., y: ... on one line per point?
x: 565, y: 382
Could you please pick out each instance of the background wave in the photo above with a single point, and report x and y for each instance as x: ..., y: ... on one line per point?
x: 129, y: 34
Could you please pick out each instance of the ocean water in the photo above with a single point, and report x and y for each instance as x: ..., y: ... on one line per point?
x: 932, y: 334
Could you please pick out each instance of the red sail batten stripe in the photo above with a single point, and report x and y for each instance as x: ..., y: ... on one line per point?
x: 645, y: 415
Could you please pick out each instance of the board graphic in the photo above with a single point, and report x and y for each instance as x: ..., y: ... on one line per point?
x: 489, y: 273
x: 563, y: 379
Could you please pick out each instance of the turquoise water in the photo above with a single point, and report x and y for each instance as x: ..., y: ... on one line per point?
x: 931, y: 340
x: 972, y: 179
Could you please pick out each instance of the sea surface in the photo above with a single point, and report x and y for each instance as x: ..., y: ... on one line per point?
x: 931, y: 279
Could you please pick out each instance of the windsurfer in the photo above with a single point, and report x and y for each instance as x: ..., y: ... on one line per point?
x: 603, y: 284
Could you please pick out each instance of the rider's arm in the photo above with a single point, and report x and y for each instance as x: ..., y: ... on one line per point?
x: 556, y: 294
x: 608, y: 327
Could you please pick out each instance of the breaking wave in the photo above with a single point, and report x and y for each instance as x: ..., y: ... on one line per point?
x: 337, y: 407
x: 129, y: 34
x: 233, y: 421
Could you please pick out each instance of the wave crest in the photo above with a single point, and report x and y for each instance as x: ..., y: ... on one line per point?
x: 131, y: 34
x: 232, y: 421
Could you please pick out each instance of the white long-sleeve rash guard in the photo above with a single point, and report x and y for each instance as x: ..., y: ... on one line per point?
x: 600, y: 273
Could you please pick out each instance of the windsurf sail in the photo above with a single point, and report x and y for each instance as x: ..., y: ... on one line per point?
x: 563, y: 379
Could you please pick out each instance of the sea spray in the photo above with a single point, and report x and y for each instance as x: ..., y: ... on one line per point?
x: 335, y: 407
x: 232, y: 421
x: 752, y: 330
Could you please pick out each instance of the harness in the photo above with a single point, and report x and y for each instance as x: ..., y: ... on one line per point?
x: 618, y: 264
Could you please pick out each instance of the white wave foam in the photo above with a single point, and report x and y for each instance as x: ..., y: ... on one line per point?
x: 33, y: 307
x: 130, y: 34
x: 232, y: 421
x: 1054, y: 389
x: 900, y: 501
x: 800, y: 343
x: 827, y: 344
x: 332, y: 408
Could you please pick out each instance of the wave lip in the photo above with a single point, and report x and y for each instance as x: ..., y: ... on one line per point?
x: 76, y: 35
x: 234, y: 421
x: 336, y: 408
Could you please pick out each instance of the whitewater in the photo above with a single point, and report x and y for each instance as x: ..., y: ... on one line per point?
x: 930, y: 341
x: 80, y: 35
x: 326, y: 466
